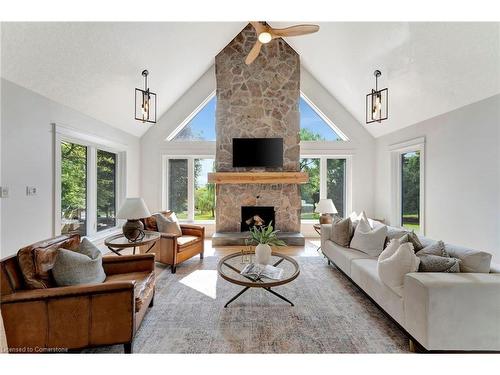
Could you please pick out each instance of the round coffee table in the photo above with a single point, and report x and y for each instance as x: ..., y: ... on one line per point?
x: 118, y: 242
x: 230, y: 266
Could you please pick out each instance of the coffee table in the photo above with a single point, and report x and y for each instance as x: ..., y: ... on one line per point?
x: 230, y: 266
x: 118, y: 242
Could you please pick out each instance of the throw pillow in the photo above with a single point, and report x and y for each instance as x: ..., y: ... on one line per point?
x: 436, y: 263
x: 168, y: 224
x: 81, y: 266
x: 341, y: 232
x: 394, y: 233
x: 395, y: 262
x: 436, y: 248
x: 368, y: 240
x: 435, y: 258
x: 355, y: 218
x: 413, y: 238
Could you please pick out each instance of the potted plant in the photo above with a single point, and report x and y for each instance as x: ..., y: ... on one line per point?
x: 264, y: 237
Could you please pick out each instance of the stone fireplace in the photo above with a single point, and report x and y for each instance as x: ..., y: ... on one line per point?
x: 260, y: 100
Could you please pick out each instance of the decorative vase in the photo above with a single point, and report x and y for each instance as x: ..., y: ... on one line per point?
x: 263, y: 253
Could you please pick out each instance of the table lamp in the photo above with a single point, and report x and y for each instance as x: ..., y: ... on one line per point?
x: 325, y: 207
x: 133, y: 209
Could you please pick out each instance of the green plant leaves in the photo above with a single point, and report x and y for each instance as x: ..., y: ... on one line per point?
x: 265, y: 235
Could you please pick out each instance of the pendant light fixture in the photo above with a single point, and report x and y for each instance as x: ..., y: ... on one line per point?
x: 145, y: 102
x: 377, y: 102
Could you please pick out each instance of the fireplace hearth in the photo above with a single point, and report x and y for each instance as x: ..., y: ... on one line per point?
x: 257, y: 216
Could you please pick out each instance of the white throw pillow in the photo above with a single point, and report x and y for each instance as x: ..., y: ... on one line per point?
x: 168, y: 224
x: 395, y: 262
x: 368, y: 240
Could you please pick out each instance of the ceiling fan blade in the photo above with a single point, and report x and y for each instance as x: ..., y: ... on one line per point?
x: 259, y: 27
x: 294, y: 30
x: 254, y: 52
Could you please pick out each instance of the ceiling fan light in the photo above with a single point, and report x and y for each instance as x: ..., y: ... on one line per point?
x: 265, y: 37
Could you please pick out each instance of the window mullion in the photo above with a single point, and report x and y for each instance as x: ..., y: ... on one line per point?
x: 191, y: 189
x: 91, y: 211
x: 322, y: 178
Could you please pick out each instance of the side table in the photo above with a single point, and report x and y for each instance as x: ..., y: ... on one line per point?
x: 118, y: 242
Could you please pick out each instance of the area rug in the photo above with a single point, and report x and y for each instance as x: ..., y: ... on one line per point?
x: 330, y: 315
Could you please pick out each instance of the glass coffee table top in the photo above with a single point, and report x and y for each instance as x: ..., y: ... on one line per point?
x: 230, y: 266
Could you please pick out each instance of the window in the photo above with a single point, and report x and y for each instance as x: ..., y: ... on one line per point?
x: 106, y: 190
x: 201, y: 127
x: 314, y: 126
x: 188, y: 192
x: 336, y: 183
x: 309, y: 193
x: 204, y: 192
x: 178, y: 187
x: 407, y: 194
x: 87, y: 183
x: 73, y: 188
x: 327, y: 179
x: 410, y: 190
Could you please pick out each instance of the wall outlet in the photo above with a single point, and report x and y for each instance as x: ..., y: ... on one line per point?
x: 30, y: 191
x: 4, y: 192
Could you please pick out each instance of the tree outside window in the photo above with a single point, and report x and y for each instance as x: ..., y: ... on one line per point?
x: 73, y: 188
x: 410, y: 190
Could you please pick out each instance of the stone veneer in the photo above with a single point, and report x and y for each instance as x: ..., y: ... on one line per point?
x: 259, y: 100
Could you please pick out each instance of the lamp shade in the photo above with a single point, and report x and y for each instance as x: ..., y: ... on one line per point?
x: 325, y: 206
x: 133, y: 209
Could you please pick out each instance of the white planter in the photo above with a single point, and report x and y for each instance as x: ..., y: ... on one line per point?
x: 262, y: 253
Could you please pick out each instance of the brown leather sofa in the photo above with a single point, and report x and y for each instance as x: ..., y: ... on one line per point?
x: 173, y: 249
x: 76, y: 317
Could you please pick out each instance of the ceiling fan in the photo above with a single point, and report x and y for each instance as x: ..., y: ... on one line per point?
x: 266, y: 33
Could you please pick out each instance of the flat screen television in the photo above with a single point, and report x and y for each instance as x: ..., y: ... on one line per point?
x: 258, y: 152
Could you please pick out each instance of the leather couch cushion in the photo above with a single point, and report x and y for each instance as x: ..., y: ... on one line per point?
x: 36, y: 261
x: 150, y: 222
x: 186, y: 240
x: 144, y: 285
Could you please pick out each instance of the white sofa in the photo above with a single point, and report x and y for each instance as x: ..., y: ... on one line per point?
x: 440, y: 311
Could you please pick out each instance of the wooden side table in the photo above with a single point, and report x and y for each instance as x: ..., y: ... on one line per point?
x: 118, y: 242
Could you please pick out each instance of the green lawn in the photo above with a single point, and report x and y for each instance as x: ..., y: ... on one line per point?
x: 309, y: 216
x: 203, y: 216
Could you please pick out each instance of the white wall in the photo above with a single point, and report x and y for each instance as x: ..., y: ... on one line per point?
x: 27, y: 160
x: 462, y: 175
x: 361, y: 146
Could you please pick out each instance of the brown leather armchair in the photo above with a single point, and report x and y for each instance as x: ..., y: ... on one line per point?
x: 76, y: 317
x: 173, y: 249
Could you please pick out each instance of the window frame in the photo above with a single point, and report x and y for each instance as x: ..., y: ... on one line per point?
x: 191, y: 198
x: 92, y: 143
x: 323, y: 178
x: 397, y: 150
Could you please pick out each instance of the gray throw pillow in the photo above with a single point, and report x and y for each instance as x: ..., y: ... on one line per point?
x: 81, y: 266
x: 341, y: 232
x: 436, y: 263
x: 168, y: 224
x: 434, y: 258
x: 436, y: 248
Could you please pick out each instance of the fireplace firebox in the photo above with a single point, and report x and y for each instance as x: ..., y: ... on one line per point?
x: 256, y: 216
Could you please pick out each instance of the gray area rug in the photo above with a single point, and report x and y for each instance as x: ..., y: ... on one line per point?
x: 330, y: 315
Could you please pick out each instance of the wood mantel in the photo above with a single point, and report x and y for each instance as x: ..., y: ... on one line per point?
x: 258, y: 177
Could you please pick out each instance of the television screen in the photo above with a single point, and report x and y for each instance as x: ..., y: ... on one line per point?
x: 258, y: 152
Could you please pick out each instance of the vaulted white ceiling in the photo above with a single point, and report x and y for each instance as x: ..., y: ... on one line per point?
x: 429, y: 68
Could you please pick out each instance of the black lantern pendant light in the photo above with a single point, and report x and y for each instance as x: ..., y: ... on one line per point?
x: 377, y: 102
x: 145, y: 102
